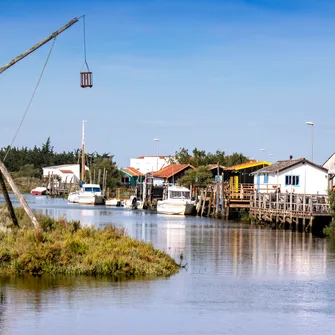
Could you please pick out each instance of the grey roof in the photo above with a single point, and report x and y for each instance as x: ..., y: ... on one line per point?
x: 283, y: 165
x: 214, y: 166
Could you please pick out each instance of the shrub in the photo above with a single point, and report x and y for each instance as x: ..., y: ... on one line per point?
x: 61, y: 247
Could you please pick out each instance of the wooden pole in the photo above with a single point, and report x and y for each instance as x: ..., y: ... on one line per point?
x: 22, y: 200
x: 217, y: 193
x: 38, y: 45
x: 222, y: 197
x: 8, y: 202
x: 204, y: 203
x: 210, y: 201
x: 83, y: 152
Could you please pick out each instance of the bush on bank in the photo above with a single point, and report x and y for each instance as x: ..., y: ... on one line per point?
x: 61, y: 247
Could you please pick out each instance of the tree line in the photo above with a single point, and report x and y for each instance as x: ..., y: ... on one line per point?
x: 202, y: 158
x: 25, y: 162
x: 201, y: 176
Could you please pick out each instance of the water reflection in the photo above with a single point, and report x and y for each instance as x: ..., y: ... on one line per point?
x: 239, y: 280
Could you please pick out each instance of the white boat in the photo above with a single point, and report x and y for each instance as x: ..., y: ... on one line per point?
x: 177, y: 202
x: 113, y: 202
x: 133, y: 203
x: 89, y: 194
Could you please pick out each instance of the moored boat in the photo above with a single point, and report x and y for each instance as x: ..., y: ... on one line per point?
x: 89, y: 194
x: 40, y: 190
x: 113, y: 202
x: 177, y: 202
x: 133, y: 203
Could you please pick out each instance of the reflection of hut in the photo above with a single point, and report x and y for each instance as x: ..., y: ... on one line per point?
x: 240, y: 174
x: 131, y: 176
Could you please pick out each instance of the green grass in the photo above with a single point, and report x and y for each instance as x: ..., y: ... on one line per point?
x: 61, y: 247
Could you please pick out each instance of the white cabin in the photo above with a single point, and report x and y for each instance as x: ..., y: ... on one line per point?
x: 147, y: 164
x: 67, y: 173
x: 329, y: 164
x: 298, y: 176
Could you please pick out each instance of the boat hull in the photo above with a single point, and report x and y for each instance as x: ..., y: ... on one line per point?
x: 171, y: 207
x: 190, y: 209
x: 91, y: 200
x: 113, y: 202
x: 39, y: 191
x: 73, y: 197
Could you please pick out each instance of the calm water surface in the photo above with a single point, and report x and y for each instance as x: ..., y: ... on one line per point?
x: 239, y: 280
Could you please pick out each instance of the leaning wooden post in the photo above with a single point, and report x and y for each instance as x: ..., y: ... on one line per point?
x: 222, y: 198
x: 22, y: 200
x: 217, y: 191
x: 204, y: 203
x: 8, y: 202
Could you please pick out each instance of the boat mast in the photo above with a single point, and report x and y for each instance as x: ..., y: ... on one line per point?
x: 83, y: 152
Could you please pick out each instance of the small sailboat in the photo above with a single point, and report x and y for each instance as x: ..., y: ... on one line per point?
x: 89, y: 194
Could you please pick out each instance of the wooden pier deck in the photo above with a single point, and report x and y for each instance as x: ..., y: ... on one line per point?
x: 290, y: 209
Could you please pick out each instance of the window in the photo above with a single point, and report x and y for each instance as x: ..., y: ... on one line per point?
x: 179, y: 195
x: 266, y: 178
x: 292, y: 180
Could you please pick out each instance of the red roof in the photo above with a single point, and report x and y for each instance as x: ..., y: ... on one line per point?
x: 132, y: 171
x: 66, y: 171
x: 171, y: 170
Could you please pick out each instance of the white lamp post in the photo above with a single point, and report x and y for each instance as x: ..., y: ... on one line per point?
x: 310, y: 123
x: 157, y: 141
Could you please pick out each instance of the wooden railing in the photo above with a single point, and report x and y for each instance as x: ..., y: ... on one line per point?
x: 290, y: 202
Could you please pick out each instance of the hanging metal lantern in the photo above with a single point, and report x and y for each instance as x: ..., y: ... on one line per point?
x: 86, y: 79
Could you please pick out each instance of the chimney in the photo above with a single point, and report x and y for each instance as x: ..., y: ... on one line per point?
x: 291, y: 157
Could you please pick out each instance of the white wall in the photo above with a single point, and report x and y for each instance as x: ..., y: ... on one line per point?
x: 55, y: 170
x: 148, y: 163
x: 330, y: 164
x: 311, y: 180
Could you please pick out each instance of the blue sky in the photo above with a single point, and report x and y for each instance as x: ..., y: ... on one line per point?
x: 216, y: 75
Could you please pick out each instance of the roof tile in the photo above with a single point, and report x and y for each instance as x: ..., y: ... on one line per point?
x: 171, y: 170
x: 285, y: 164
x: 132, y: 171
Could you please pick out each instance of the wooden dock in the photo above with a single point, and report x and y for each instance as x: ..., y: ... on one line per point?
x: 297, y: 211
x: 220, y: 200
x: 280, y: 210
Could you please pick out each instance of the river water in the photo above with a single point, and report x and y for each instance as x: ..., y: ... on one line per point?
x: 239, y: 279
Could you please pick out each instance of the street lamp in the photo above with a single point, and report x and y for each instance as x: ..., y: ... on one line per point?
x: 157, y: 141
x: 309, y: 123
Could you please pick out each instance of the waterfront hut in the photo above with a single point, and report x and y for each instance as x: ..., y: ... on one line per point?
x: 215, y: 168
x: 240, y: 174
x: 65, y: 172
x: 329, y: 164
x: 171, y: 173
x: 294, y: 175
x: 131, y: 176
